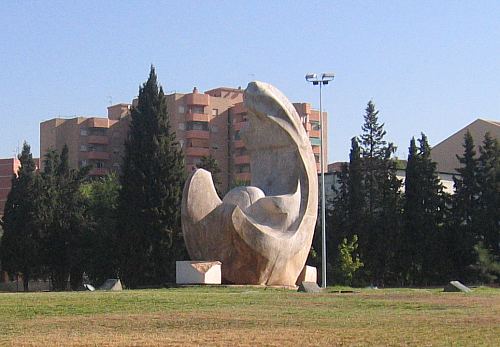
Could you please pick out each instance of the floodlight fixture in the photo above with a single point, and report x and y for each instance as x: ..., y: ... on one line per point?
x: 310, y: 77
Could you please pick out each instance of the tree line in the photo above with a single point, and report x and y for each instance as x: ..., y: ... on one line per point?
x: 59, y: 224
x: 380, y: 234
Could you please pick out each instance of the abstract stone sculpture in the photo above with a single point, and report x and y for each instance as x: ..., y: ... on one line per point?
x: 261, y: 233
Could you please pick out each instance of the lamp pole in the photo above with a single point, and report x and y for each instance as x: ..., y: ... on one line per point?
x: 321, y: 79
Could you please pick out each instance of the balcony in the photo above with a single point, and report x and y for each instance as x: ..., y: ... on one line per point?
x: 97, y: 155
x: 197, y: 117
x: 314, y: 116
x: 197, y: 99
x: 239, y: 144
x: 197, y: 134
x: 243, y: 176
x: 315, y: 141
x: 242, y: 159
x: 197, y: 152
x: 239, y: 125
x: 99, y: 171
x: 314, y: 133
x: 98, y: 123
x: 98, y: 139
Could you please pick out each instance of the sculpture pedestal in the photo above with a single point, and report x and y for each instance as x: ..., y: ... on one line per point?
x: 308, y: 274
x: 198, y: 272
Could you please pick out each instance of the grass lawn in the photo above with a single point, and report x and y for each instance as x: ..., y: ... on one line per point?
x: 251, y: 316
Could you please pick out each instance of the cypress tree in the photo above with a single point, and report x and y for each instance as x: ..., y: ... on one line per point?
x: 488, y: 180
x: 356, y: 199
x: 345, y: 220
x: 463, y: 229
x: 64, y: 225
x: 20, y: 246
x: 424, y: 213
x: 150, y: 198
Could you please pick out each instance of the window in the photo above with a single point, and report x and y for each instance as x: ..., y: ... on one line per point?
x: 181, y: 143
x: 84, y: 131
x: 237, y: 135
x: 99, y: 164
x: 181, y: 109
x: 83, y: 148
x: 215, y: 112
x: 214, y: 128
x: 315, y: 126
x: 243, y: 168
x: 116, y: 165
x: 315, y: 141
x: 96, y: 148
x: 197, y: 126
x: 97, y: 131
x: 214, y: 146
x: 182, y: 126
x: 116, y: 150
x: 83, y: 163
x: 197, y: 109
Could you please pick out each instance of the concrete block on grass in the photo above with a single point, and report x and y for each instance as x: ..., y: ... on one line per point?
x: 456, y: 286
x: 309, y: 287
x: 198, y: 272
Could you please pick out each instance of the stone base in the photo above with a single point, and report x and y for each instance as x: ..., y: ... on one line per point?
x: 309, y: 287
x: 198, y: 272
x: 308, y: 274
x: 112, y: 284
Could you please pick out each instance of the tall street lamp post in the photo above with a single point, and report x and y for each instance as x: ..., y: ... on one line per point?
x: 320, y: 79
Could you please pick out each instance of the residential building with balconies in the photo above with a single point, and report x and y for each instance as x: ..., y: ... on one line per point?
x: 205, y: 124
x: 92, y: 141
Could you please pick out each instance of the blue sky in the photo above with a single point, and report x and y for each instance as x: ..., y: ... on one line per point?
x: 431, y: 66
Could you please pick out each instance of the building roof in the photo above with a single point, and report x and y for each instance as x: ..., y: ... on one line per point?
x: 445, y: 153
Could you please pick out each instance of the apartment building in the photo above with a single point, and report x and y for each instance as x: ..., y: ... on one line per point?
x: 94, y: 141
x: 205, y: 124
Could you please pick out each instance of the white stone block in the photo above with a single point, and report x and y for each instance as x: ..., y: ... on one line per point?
x: 308, y: 274
x: 198, y: 272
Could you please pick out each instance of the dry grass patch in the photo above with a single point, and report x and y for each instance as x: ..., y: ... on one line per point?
x: 229, y: 316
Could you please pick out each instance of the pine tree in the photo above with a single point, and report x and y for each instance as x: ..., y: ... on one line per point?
x: 20, y: 246
x: 381, y: 224
x: 149, y: 201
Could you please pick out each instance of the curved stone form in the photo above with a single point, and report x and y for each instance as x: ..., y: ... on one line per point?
x: 261, y: 233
